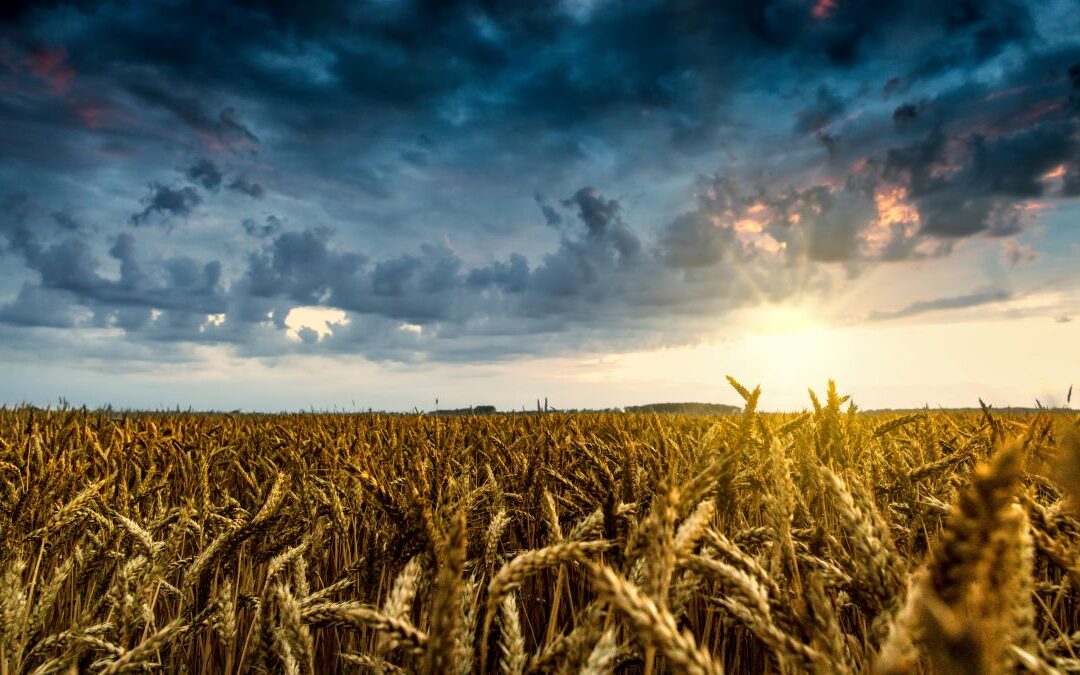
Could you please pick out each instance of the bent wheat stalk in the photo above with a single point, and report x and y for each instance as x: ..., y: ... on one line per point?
x: 653, y: 624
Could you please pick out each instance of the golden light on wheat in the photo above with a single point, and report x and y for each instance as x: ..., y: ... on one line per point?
x: 832, y: 541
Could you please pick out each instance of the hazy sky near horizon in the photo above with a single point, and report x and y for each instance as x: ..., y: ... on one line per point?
x: 271, y: 205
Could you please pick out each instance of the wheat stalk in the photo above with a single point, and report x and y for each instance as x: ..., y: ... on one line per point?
x: 653, y: 624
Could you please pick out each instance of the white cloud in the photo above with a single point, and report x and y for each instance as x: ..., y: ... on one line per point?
x: 322, y: 320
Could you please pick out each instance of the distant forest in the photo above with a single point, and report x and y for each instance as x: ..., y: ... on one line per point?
x: 684, y: 408
x: 677, y: 408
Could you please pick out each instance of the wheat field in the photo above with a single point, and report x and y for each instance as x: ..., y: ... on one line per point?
x: 832, y: 541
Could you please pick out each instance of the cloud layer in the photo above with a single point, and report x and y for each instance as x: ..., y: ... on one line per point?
x: 478, y: 181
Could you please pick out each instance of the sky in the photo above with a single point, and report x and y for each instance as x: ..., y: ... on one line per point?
x: 268, y: 205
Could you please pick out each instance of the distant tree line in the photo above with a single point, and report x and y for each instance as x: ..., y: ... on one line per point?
x: 684, y: 408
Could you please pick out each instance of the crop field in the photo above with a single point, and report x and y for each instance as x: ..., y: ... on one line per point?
x: 832, y: 541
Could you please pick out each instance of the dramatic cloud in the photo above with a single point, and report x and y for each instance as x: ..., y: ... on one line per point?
x: 205, y: 173
x: 475, y: 181
x: 299, y: 266
x: 244, y: 186
x: 167, y: 202
x: 218, y: 131
x: 36, y: 306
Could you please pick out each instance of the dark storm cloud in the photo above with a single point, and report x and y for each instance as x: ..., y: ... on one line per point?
x: 16, y: 210
x: 176, y: 283
x: 665, y: 56
x: 418, y: 133
x: 980, y: 29
x: 827, y: 106
x: 223, y: 128
x: 971, y: 184
x: 35, y: 306
x: 208, y: 175
x: 300, y: 266
x: 589, y: 265
x: 597, y: 212
x: 205, y: 173
x: 70, y: 277
x: 167, y: 202
x: 694, y: 240
x: 837, y: 219
x: 600, y: 269
x: 904, y: 115
x: 244, y: 186
x: 509, y: 277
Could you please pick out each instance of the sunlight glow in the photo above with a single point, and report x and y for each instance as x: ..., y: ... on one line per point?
x: 1056, y: 172
x: 893, y: 207
x: 748, y: 225
x: 781, y: 319
x: 212, y: 320
x: 322, y: 320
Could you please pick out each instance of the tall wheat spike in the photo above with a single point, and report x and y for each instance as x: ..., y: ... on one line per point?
x: 447, y: 606
x: 511, y: 641
x: 970, y: 605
